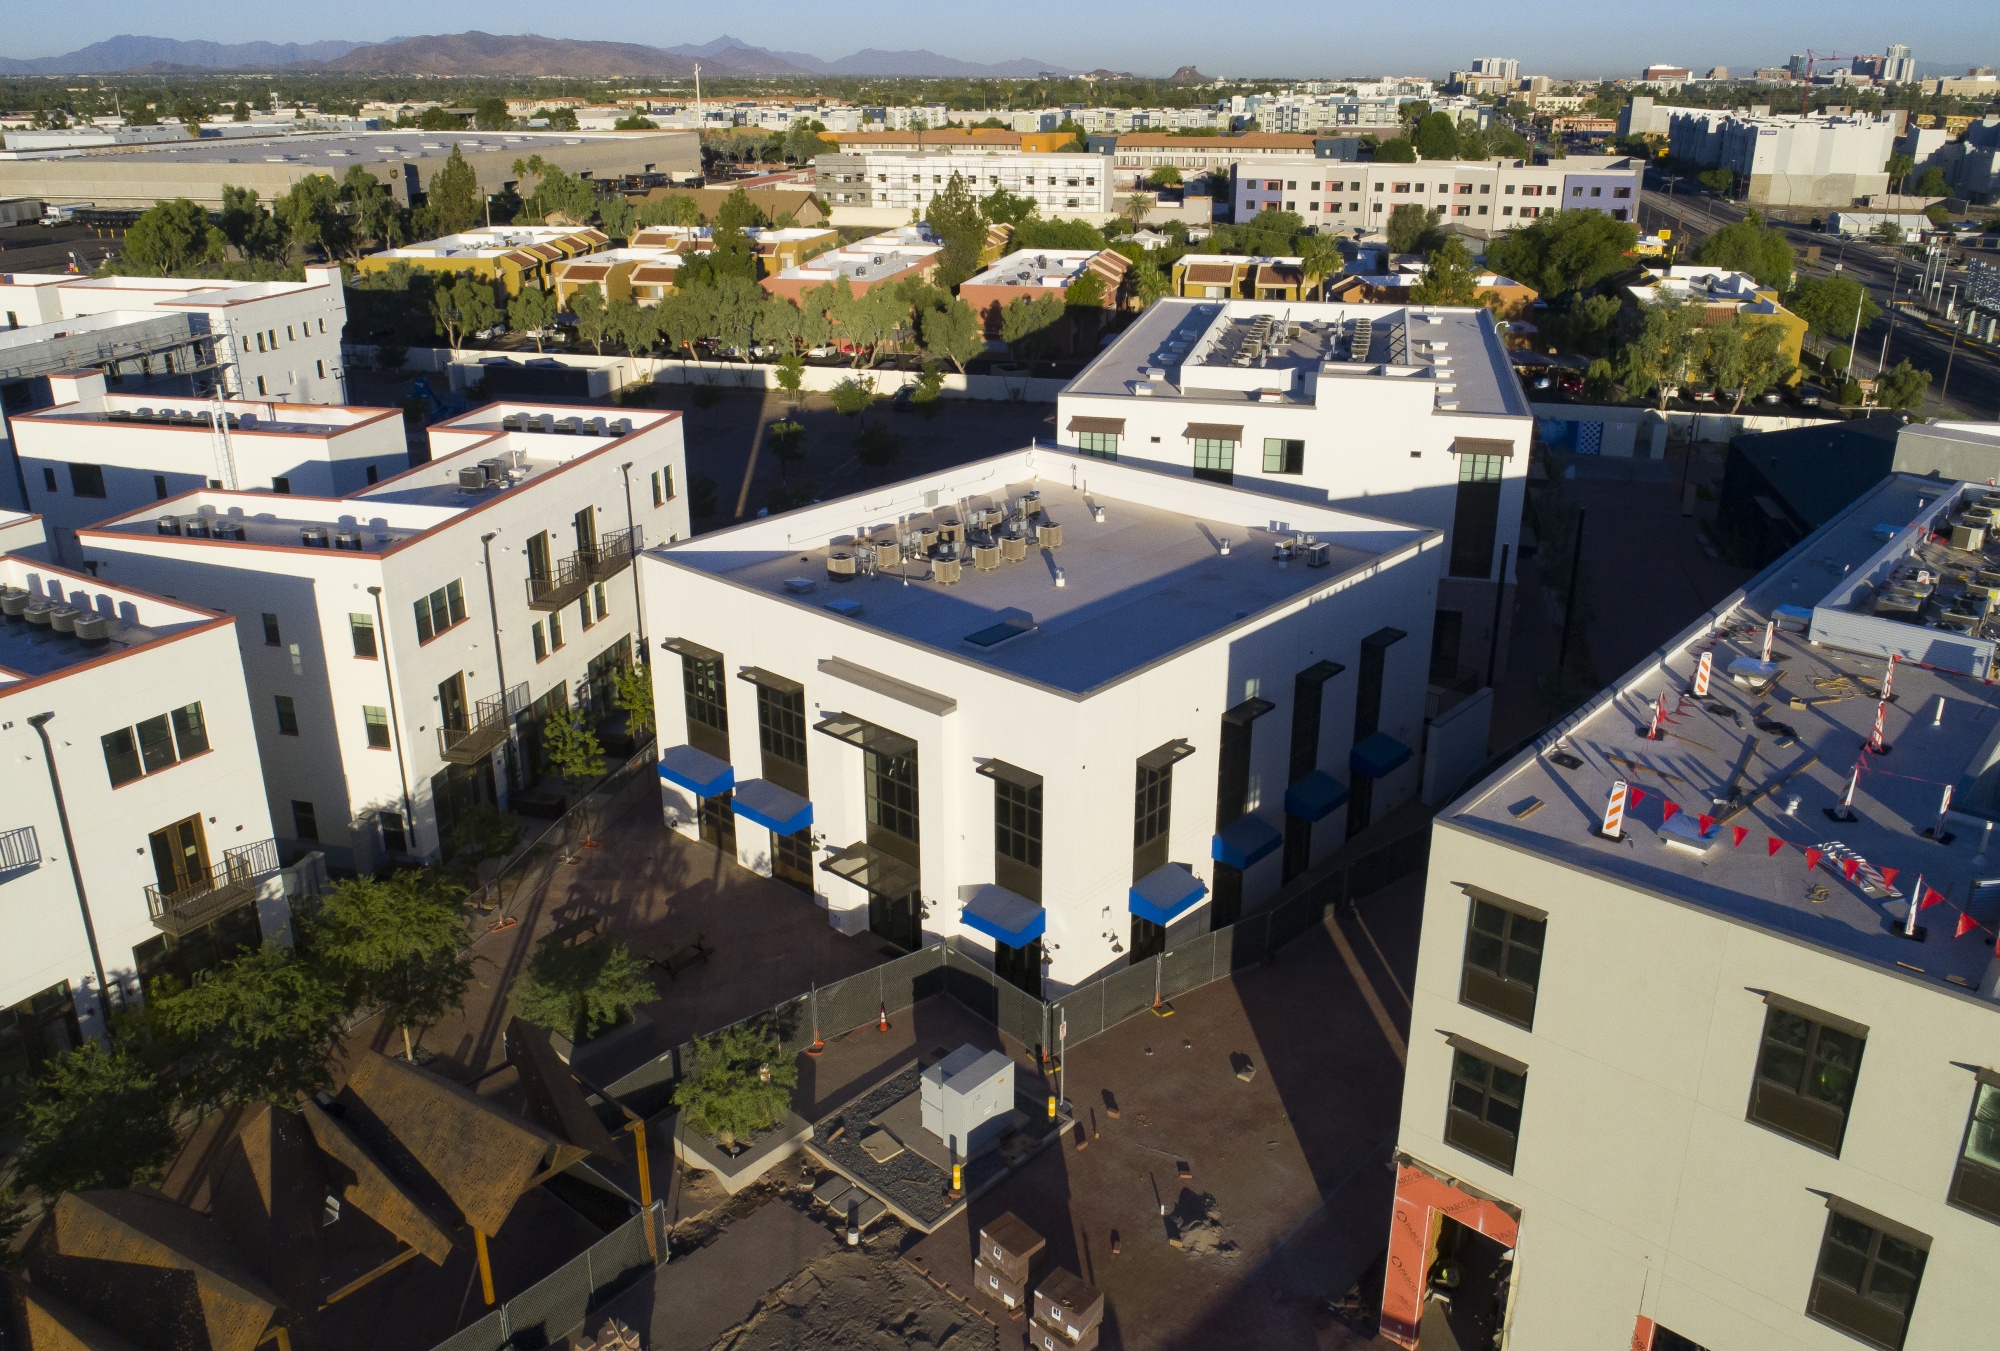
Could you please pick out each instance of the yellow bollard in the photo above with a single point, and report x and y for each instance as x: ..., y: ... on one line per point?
x: 1052, y: 1107
x: 485, y: 1266
x: 957, y: 1178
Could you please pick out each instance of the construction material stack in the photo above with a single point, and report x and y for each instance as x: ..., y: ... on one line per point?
x: 1068, y: 1312
x: 1007, y: 1249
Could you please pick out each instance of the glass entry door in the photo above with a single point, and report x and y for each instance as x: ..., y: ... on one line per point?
x: 180, y: 856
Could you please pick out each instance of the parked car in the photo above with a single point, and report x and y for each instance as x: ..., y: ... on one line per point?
x: 1769, y: 396
x: 1809, y: 395
x: 902, y: 402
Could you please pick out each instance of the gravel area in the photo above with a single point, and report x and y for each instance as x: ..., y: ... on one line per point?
x: 862, y: 1300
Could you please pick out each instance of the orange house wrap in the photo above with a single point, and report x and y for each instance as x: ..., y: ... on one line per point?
x: 1422, y: 1201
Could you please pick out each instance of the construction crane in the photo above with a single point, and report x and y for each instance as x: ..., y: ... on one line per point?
x: 1813, y: 59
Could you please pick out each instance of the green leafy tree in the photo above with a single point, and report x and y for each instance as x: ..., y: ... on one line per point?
x: 617, y: 217
x: 190, y: 115
x: 1831, y: 305
x: 1087, y: 292
x: 251, y: 230
x: 1563, y: 252
x: 532, y: 312
x: 1930, y: 183
x: 1319, y: 258
x: 559, y: 119
x: 399, y: 946
x: 1397, y: 150
x: 453, y: 202
x: 95, y: 1118
x: 787, y: 440
x: 630, y: 326
x: 439, y: 119
x: 1027, y: 323
x: 954, y: 333
x: 1888, y: 232
x: 1664, y: 352
x: 635, y: 122
x: 1718, y: 180
x: 1902, y: 386
x: 741, y: 1084
x: 1749, y: 245
x: 1898, y: 168
x: 1005, y: 208
x: 1743, y: 358
x: 583, y: 990
x: 673, y: 209
x: 877, y: 446
x: 1436, y: 137
x: 264, y: 1027
x: 955, y: 216
x: 490, y: 114
x: 173, y: 239
x: 632, y: 695
x: 790, y: 370
x: 241, y: 113
x: 1472, y: 143
x: 557, y: 194
x: 1505, y: 141
x: 1600, y: 381
x: 465, y: 306
x: 1414, y: 229
x: 311, y: 217
x: 804, y: 143
x: 377, y: 219
x: 1166, y: 176
x: 1061, y: 234
x: 586, y: 302
x: 852, y: 395
x: 1450, y: 277
x: 573, y: 750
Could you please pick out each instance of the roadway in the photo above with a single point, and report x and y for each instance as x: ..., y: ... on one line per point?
x: 1974, y: 388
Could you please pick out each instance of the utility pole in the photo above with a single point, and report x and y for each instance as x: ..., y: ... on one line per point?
x: 1569, y: 604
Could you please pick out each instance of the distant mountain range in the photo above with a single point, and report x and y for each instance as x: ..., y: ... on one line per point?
x: 478, y: 53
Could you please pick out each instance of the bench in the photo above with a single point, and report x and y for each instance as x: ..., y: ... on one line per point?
x: 676, y: 960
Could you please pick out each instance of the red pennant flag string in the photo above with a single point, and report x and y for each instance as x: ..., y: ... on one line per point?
x: 1932, y: 896
x: 1812, y: 859
x: 1966, y: 924
x: 1889, y: 876
x: 1772, y: 846
x: 1667, y: 812
x: 1850, y: 866
x: 1638, y: 796
x: 1704, y: 823
x: 1742, y: 834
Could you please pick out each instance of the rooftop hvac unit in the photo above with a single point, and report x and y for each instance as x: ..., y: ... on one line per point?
x: 985, y: 557
x: 545, y: 423
x: 1014, y: 548
x: 513, y: 422
x: 347, y: 539
x: 14, y: 600
x: 119, y: 414
x: 495, y: 470
x: 1970, y: 538
x: 595, y: 426
x: 472, y: 479
x: 1048, y: 535
x: 569, y: 426
x: 62, y: 618
x: 314, y: 536
x: 93, y: 628
x: 840, y: 566
x: 230, y: 530
x: 38, y: 610
x: 1319, y: 555
x: 195, y: 527
x: 947, y: 571
x: 621, y: 426
x: 169, y: 525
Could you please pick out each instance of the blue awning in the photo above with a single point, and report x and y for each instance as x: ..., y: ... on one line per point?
x: 1004, y: 916
x: 1315, y: 797
x: 1245, y: 840
x: 783, y: 811
x: 1165, y: 892
x: 697, y: 771
x: 1379, y: 756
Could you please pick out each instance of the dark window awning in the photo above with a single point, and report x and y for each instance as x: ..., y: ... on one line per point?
x: 1163, y: 757
x: 770, y: 680
x: 697, y: 771
x: 779, y: 809
x: 1111, y: 426
x: 1006, y: 773
x: 1315, y: 797
x: 871, y: 869
x: 1213, y: 431
x: 1165, y: 893
x: 1245, y: 841
x: 869, y: 737
x: 1320, y: 672
x: 1248, y: 711
x: 1379, y: 756
x: 1474, y: 445
x: 1004, y: 916
x: 687, y: 648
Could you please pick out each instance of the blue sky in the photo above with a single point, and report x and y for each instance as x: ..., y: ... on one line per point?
x: 1557, y: 37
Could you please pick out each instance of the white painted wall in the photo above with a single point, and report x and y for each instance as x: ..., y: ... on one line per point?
x: 1643, y: 1190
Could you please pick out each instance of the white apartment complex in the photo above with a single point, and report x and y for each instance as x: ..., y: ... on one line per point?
x: 941, y: 707
x: 1700, y: 1086
x: 405, y: 644
x: 134, y: 838
x: 273, y: 340
x: 1477, y: 197
x: 871, y: 188
x: 1828, y: 159
x: 92, y: 454
x: 1406, y: 412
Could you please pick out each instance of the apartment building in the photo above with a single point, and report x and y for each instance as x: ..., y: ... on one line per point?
x: 1827, y: 159
x: 405, y: 644
x: 1030, y: 274
x: 1135, y: 156
x: 1477, y: 197
x: 510, y: 257
x: 908, y: 251
x: 93, y: 454
x: 939, y: 707
x: 1407, y: 412
x: 134, y: 837
x: 885, y: 187
x: 269, y: 340
x: 1697, y: 1077
x: 647, y: 269
x: 976, y: 140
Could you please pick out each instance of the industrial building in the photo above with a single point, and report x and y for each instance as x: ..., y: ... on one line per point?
x: 885, y: 187
x: 406, y: 643
x: 1408, y: 412
x: 939, y: 707
x: 1822, y: 160
x: 404, y: 160
x: 134, y: 837
x: 1706, y: 1026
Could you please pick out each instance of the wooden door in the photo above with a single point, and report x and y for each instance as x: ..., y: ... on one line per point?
x: 180, y: 856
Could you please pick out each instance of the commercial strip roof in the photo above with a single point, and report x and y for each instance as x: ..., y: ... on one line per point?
x: 542, y: 242
x: 1143, y: 565
x: 1053, y: 269
x: 1242, y: 351
x: 1743, y: 790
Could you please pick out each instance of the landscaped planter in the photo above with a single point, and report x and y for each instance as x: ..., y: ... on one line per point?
x: 737, y: 1171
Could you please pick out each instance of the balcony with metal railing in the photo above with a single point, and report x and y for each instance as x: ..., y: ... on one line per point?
x: 487, y: 729
x: 228, y: 884
x: 567, y: 579
x: 614, y: 553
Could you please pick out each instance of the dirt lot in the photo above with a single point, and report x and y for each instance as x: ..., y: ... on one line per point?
x: 863, y: 1300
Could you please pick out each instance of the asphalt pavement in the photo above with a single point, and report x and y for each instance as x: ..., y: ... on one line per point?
x: 1965, y: 376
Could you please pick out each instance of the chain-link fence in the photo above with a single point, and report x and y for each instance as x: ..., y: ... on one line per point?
x: 558, y: 1307
x: 530, y: 867
x: 945, y: 968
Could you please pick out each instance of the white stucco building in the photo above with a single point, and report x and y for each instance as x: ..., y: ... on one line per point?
x: 884, y: 187
x: 134, y: 838
x: 1400, y: 411
x: 1480, y: 198
x: 405, y: 644
x: 1695, y: 1087
x: 943, y: 707
x: 93, y: 454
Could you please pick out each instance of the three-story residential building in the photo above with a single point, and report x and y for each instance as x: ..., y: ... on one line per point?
x: 884, y: 187
x: 405, y: 644
x: 1480, y: 198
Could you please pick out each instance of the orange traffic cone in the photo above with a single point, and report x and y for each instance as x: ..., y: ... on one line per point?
x: 882, y: 1019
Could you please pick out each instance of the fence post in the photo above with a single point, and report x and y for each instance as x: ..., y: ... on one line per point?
x: 590, y: 1278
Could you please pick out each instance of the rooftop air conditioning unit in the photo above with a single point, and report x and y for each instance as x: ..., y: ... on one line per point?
x: 621, y: 426
x: 230, y: 530
x: 314, y: 536
x: 495, y: 469
x: 168, y: 525
x: 37, y: 611
x: 471, y: 479
x: 93, y: 628
x: 347, y: 539
x: 62, y: 618
x: 14, y: 600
